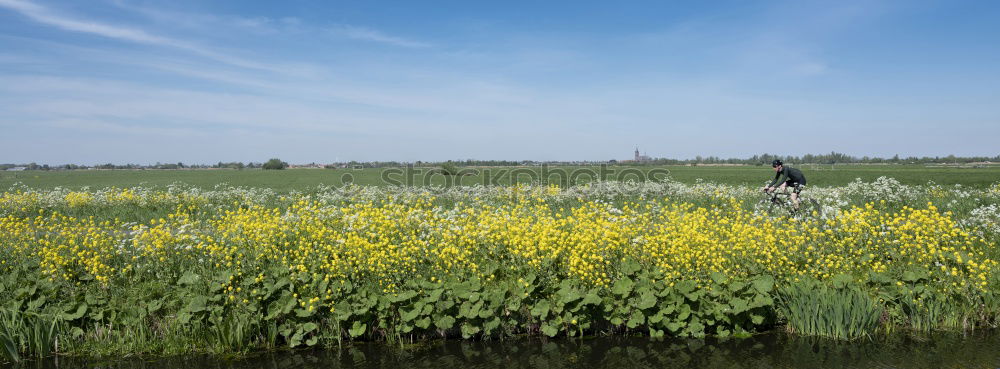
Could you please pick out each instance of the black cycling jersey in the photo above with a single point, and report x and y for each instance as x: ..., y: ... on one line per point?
x: 790, y: 175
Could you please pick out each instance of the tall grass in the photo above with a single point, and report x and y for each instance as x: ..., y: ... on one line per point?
x: 32, y: 335
x: 842, y: 311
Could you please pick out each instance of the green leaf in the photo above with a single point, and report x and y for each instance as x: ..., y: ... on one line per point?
x: 304, y: 313
x: 684, y: 313
x: 656, y: 318
x: 737, y: 286
x: 549, y: 330
x: 756, y: 319
x: 468, y: 330
x: 188, y: 278
x: 623, y: 286
x: 405, y: 295
x: 630, y: 267
x: 357, y: 329
x: 295, y: 340
x: 36, y: 303
x: 81, y: 309
x: 466, y: 310
x: 685, y: 287
x: 11, y: 348
x: 763, y: 284
x: 541, y: 309
x: 646, y: 301
x: 738, y: 305
x: 591, y: 299
x: 636, y: 319
x: 717, y: 277
x: 197, y: 304
x: 308, y: 327
x: 491, y: 324
x: 343, y: 311
x: 289, y: 304
x: 411, y: 314
x: 444, y: 322
x: 695, y: 328
x: 423, y: 323
x: 434, y: 295
x: 569, y: 295
x: 154, y: 306
x: 674, y: 326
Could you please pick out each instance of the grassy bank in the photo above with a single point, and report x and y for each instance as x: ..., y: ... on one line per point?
x: 180, y: 270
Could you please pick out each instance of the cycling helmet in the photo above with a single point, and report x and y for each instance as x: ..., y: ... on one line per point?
x: 776, y: 163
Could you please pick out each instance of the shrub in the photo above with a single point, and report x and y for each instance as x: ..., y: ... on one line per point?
x: 275, y: 163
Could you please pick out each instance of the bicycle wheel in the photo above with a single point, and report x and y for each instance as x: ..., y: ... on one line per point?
x: 781, y: 207
x: 810, y: 208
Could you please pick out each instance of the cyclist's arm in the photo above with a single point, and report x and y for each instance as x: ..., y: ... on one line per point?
x: 777, y: 177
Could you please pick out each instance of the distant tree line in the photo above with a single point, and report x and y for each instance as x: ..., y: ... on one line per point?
x: 761, y: 159
x: 831, y: 158
x: 220, y: 165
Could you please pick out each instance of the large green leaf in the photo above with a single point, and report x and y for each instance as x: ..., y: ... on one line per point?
x: 541, y: 309
x: 357, y: 329
x: 468, y: 330
x: 444, y: 322
x: 636, y: 319
x: 623, y: 286
x: 763, y: 284
x: 408, y: 315
x: 738, y: 305
x: 550, y: 330
x: 81, y: 309
x: 405, y: 295
x: 423, y: 323
x: 188, y: 278
x: 646, y: 301
x: 685, y: 287
x: 591, y: 298
x: 197, y: 304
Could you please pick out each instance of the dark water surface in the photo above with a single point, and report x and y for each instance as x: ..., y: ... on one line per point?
x: 772, y: 350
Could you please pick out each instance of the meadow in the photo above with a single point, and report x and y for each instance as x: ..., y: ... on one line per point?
x: 306, y: 179
x: 173, y: 269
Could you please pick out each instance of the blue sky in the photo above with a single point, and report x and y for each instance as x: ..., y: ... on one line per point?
x: 318, y: 81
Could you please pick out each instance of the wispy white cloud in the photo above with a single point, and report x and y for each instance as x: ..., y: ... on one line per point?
x: 43, y: 15
x: 368, y: 34
x: 46, y: 16
x: 205, y: 21
x: 270, y: 25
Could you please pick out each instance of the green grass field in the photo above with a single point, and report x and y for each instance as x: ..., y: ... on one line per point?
x: 302, y: 179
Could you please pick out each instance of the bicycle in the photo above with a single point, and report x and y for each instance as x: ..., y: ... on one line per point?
x: 780, y: 203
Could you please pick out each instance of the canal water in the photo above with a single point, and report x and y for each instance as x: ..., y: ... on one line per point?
x: 771, y: 350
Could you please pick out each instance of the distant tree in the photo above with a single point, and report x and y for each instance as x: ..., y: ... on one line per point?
x: 275, y: 163
x: 449, y: 169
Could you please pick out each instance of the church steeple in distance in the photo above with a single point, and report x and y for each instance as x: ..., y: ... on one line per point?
x: 637, y: 153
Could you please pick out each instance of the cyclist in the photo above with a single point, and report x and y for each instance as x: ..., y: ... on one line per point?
x: 790, y: 177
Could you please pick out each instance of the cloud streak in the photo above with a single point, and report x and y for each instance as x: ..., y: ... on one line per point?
x: 368, y: 34
x: 45, y: 16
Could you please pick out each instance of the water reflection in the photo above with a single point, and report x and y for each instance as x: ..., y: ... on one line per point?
x: 773, y: 350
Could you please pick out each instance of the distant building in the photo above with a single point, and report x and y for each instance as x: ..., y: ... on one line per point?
x: 641, y: 158
x: 16, y: 169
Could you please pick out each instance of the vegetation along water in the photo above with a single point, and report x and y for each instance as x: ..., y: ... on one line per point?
x: 233, y: 270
